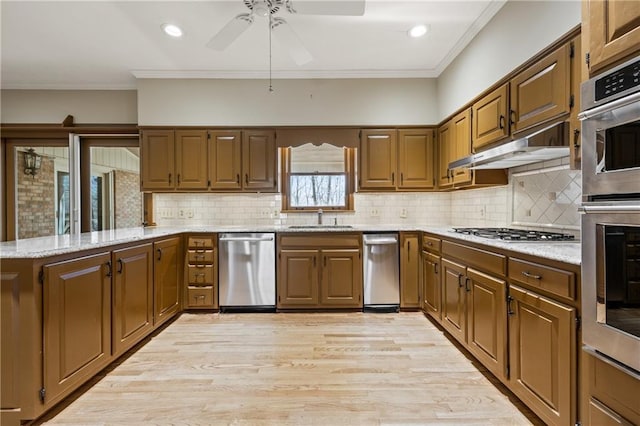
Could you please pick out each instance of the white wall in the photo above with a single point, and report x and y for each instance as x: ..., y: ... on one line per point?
x: 516, y: 33
x: 294, y: 102
x: 52, y: 106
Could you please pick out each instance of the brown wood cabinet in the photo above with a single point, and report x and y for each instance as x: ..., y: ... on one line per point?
x: 259, y: 160
x: 613, y: 32
x: 157, y: 160
x: 225, y: 160
x: 461, y: 145
x: 173, y: 160
x: 491, y: 117
x: 77, y: 323
x: 542, y: 355
x: 610, y: 392
x: 166, y: 279
x: 454, y: 317
x: 201, y: 272
x: 393, y: 159
x: 410, y: 270
x: 319, y: 271
x: 132, y: 312
x: 432, y: 283
x: 445, y: 150
x: 10, y: 349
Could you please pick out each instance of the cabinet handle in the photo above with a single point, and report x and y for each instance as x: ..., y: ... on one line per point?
x: 325, y: 261
x: 314, y: 261
x: 178, y: 179
x: 502, y: 121
x: 246, y: 179
x: 509, y: 311
x: 109, y: 269
x: 576, y: 138
x: 169, y: 178
x: 401, y: 178
x: 238, y: 178
x: 460, y: 280
x: 529, y: 275
x: 159, y: 253
x: 393, y: 178
x: 435, y: 267
x: 467, y: 287
x: 408, y: 251
x: 512, y: 117
x: 120, y: 266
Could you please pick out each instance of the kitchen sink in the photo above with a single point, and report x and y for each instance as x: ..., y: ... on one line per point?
x: 320, y: 226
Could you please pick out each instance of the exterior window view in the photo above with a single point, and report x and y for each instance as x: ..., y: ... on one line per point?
x: 296, y: 212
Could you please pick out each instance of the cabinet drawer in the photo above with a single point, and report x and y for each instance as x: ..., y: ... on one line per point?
x: 200, y: 274
x: 200, y: 296
x: 200, y: 242
x: 431, y: 244
x: 555, y: 281
x: 480, y: 259
x: 315, y: 240
x: 200, y: 256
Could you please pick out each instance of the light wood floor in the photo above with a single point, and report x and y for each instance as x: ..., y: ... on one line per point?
x: 300, y: 369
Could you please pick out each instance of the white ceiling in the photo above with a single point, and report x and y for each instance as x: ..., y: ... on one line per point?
x: 107, y: 44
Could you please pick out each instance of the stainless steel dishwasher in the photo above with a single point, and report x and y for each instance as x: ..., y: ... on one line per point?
x: 247, y: 272
x: 381, y: 272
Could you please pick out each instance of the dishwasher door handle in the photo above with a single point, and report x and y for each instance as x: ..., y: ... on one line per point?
x: 246, y: 240
x: 380, y: 242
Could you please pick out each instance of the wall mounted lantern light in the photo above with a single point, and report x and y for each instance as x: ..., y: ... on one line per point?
x: 31, y: 162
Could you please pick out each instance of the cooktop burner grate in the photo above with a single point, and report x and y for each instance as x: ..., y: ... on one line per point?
x: 511, y: 234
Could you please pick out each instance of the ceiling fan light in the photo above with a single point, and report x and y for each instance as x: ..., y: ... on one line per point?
x: 261, y: 8
x: 172, y: 30
x: 418, y: 31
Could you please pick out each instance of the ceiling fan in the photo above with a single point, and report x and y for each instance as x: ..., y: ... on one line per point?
x: 279, y: 26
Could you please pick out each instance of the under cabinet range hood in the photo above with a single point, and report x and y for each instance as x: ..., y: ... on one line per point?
x: 546, y: 144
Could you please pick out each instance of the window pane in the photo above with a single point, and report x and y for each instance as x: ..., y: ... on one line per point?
x: 116, y: 200
x: 42, y: 195
x: 317, y: 190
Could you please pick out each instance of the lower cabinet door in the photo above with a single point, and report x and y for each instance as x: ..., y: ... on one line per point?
x: 542, y: 355
x: 132, y: 296
x: 453, y: 299
x: 341, y: 279
x: 298, y: 279
x: 77, y: 323
x: 431, y: 303
x: 166, y: 280
x: 409, y: 270
x: 487, y: 321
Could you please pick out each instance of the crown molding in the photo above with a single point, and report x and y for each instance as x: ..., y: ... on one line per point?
x: 282, y: 74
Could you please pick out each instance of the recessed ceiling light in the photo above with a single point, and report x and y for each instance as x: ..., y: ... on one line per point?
x: 172, y: 30
x: 418, y: 31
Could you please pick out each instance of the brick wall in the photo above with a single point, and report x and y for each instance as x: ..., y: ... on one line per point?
x: 36, y: 200
x: 128, y: 199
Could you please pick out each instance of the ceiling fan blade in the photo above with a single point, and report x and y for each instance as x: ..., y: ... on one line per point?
x: 328, y: 7
x: 290, y: 40
x: 230, y: 32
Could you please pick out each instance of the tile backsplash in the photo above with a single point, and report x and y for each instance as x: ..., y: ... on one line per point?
x: 544, y: 195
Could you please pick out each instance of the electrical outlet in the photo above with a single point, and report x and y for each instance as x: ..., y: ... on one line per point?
x: 275, y: 214
x: 264, y: 213
x: 374, y: 212
x: 165, y: 213
x: 527, y: 213
x: 403, y: 213
x: 483, y: 211
x: 181, y: 213
x: 188, y: 213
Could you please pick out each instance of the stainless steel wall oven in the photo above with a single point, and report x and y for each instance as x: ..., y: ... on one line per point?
x: 611, y: 214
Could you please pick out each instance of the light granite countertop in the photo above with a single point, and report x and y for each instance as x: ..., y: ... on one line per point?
x: 568, y: 252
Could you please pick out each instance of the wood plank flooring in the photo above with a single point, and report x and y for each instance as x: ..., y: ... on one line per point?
x: 294, y: 369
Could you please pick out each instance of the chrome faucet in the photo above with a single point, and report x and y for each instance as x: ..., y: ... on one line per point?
x: 319, y: 216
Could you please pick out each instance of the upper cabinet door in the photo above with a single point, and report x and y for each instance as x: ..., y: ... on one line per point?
x: 225, y: 161
x: 614, y: 31
x: 461, y: 145
x: 378, y: 159
x: 491, y: 117
x: 191, y: 159
x: 444, y: 155
x: 259, y: 160
x: 415, y: 159
x: 157, y: 158
x: 542, y: 91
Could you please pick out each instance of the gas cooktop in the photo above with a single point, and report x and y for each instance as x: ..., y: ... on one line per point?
x: 510, y: 234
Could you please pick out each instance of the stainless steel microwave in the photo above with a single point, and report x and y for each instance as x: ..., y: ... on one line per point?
x: 611, y: 132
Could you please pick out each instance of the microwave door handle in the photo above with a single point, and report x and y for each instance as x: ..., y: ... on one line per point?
x: 629, y: 100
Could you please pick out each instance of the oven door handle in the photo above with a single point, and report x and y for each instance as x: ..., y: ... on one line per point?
x: 610, y: 106
x: 620, y: 208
